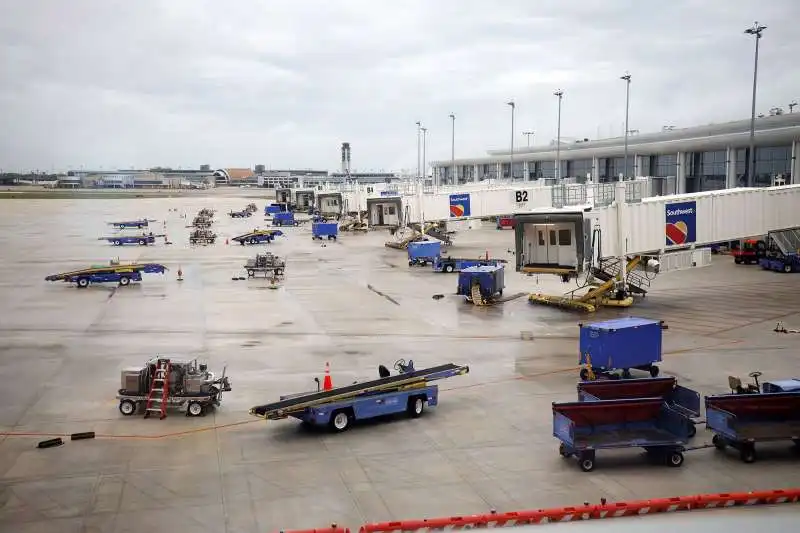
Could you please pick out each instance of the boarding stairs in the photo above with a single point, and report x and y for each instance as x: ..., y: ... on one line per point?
x: 608, y: 269
x: 159, y: 390
x: 435, y: 231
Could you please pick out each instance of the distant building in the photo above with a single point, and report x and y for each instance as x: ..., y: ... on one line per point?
x: 235, y: 176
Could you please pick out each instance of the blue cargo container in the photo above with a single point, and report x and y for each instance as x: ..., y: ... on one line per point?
x: 324, y: 229
x: 621, y: 344
x: 271, y: 209
x: 423, y: 252
x: 490, y: 279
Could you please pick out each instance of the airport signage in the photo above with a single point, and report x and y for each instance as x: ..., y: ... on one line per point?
x: 681, y: 223
x: 520, y: 198
x: 460, y: 206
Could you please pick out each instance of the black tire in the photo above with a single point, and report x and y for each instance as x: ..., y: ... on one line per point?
x: 194, y: 409
x: 333, y: 237
x: 562, y: 448
x: 278, y: 271
x: 692, y: 429
x: 411, y: 263
x: 718, y: 442
x: 83, y: 283
x: 416, y: 406
x: 584, y: 374
x: 253, y: 241
x: 124, y: 280
x: 748, y: 454
x: 142, y: 242
x: 586, y: 464
x: 340, y: 420
x: 674, y: 459
x: 449, y: 268
x: 787, y: 268
x: 251, y: 273
x: 654, y: 370
x: 127, y: 407
x: 737, y: 260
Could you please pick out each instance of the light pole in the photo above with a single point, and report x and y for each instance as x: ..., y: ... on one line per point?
x: 528, y: 134
x: 424, y: 147
x: 792, y: 106
x: 560, y: 94
x: 627, y: 78
x: 453, y: 147
x: 756, y: 31
x: 419, y: 127
x: 511, y: 163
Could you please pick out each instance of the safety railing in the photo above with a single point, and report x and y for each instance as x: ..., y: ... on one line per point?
x: 602, y: 511
x: 684, y: 260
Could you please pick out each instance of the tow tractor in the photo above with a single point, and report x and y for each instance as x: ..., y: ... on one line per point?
x: 251, y: 207
x: 166, y: 382
x: 141, y: 240
x: 258, y: 236
x: 266, y: 264
x: 127, y: 224
x: 778, y: 261
x: 781, y: 385
x: 112, y: 273
x: 750, y: 252
x: 338, y: 408
x: 244, y: 213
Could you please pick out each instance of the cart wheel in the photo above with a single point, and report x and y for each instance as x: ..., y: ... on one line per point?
x: 127, y: 407
x: 586, y: 464
x: 562, y: 450
x: 142, y: 242
x: 278, y: 271
x: 675, y: 459
x: 117, y: 242
x: 718, y: 442
x: 333, y: 237
x: 340, y: 421
x: 411, y: 263
x: 584, y: 374
x: 692, y: 429
x: 449, y: 268
x: 416, y: 406
x: 654, y: 370
x: 253, y: 241
x: 83, y: 283
x: 737, y: 260
x: 251, y: 273
x: 787, y: 268
x: 194, y: 409
x: 124, y: 280
x: 748, y: 454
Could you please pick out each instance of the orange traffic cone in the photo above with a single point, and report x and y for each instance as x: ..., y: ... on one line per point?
x: 327, y: 384
x: 226, y: 240
x: 180, y: 274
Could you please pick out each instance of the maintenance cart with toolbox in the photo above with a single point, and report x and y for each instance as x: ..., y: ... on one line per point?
x: 284, y: 218
x: 649, y: 423
x: 258, y: 236
x: 423, y: 252
x: 339, y: 407
x: 683, y: 400
x: 740, y: 421
x: 620, y: 345
x: 321, y: 230
x: 457, y: 264
x: 481, y: 284
x: 113, y: 273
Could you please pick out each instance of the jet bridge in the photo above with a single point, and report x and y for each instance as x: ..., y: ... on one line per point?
x: 590, y: 242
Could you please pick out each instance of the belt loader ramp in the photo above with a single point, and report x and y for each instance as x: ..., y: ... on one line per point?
x: 649, y: 236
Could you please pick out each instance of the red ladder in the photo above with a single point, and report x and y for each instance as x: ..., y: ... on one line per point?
x: 159, y: 390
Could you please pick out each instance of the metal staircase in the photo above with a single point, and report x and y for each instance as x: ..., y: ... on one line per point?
x: 787, y: 240
x: 609, y: 268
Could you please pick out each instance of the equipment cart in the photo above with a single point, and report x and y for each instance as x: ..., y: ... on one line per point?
x: 681, y: 399
x: 284, y: 219
x: 113, y: 273
x: 274, y: 208
x: 141, y: 240
x: 328, y: 230
x: 481, y: 284
x: 258, y: 236
x: 423, y: 252
x: 339, y: 407
x: 202, y: 236
x: 245, y: 213
x: 457, y: 264
x: 649, y: 423
x: 267, y: 263
x: 163, y: 383
x: 620, y: 344
x: 742, y: 420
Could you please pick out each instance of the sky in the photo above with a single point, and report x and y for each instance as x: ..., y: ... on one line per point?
x: 180, y: 83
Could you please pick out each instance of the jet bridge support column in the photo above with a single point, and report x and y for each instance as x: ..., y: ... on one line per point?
x: 680, y: 179
x: 619, y: 201
x: 730, y: 168
x: 795, y: 165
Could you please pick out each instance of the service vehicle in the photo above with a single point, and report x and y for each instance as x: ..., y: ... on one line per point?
x: 258, y: 236
x: 115, y: 272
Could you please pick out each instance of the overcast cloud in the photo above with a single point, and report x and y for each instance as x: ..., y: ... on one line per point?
x: 282, y: 83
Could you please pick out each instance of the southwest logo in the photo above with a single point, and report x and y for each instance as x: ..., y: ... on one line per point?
x: 457, y: 210
x: 677, y: 232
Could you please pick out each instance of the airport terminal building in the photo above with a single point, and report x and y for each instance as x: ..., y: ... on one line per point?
x: 694, y: 159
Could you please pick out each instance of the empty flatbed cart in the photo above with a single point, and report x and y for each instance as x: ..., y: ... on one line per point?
x: 258, y: 236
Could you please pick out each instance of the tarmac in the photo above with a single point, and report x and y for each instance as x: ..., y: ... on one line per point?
x: 355, y: 304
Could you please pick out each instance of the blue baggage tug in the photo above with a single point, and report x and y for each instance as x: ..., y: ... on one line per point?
x: 620, y: 345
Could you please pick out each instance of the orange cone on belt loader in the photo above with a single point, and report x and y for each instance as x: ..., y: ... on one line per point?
x: 327, y: 384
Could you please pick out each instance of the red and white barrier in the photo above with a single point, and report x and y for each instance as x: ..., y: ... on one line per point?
x: 584, y: 512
